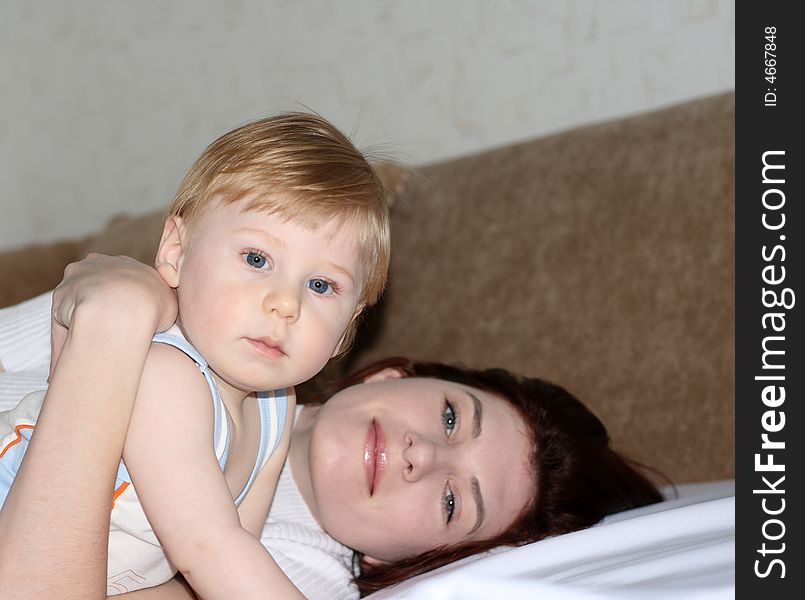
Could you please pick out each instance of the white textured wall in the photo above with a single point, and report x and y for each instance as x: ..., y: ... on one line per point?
x: 106, y: 103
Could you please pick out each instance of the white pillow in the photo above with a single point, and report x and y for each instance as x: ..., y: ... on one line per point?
x: 679, y: 548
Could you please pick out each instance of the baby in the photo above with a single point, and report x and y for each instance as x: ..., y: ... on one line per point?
x: 276, y: 240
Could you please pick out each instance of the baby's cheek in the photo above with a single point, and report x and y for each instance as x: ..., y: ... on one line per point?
x: 327, y: 327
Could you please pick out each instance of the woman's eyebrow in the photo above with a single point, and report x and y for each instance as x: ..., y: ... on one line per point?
x: 477, y: 414
x: 480, y: 511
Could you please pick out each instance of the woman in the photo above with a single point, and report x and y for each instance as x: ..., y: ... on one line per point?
x: 411, y: 465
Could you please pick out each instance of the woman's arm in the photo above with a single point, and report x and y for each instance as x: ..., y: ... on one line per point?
x: 54, y: 523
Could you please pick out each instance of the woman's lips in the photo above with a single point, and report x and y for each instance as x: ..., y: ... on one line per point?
x: 374, y: 456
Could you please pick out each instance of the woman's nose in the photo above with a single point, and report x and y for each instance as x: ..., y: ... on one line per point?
x: 420, y: 456
x: 285, y: 301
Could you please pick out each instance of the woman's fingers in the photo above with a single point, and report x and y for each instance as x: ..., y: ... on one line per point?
x: 115, y: 285
x: 58, y: 335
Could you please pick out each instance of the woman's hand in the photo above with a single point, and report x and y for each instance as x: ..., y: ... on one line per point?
x: 104, y: 315
x: 113, y: 287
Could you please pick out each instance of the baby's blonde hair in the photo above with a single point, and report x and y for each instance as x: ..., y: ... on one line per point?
x: 299, y: 166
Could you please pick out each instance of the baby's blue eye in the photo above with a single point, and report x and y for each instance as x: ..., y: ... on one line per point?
x: 320, y: 286
x: 255, y: 260
x: 449, y: 417
x: 449, y: 503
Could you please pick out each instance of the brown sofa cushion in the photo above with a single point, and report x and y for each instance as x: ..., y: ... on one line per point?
x: 601, y: 259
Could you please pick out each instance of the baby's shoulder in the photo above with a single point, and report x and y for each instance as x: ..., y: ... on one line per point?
x: 170, y: 368
x: 160, y: 353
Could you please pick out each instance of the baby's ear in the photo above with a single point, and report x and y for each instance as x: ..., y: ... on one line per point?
x: 171, y: 250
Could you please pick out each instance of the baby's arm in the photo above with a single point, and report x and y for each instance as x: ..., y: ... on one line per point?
x: 169, y: 454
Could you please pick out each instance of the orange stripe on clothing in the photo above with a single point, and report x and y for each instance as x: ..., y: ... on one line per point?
x: 17, y: 429
x: 119, y: 491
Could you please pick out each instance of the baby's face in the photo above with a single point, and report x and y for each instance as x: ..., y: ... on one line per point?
x: 266, y: 301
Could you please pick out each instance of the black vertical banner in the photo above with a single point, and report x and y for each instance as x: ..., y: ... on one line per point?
x: 770, y: 364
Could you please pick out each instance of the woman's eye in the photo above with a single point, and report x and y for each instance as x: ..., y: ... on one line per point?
x: 449, y: 504
x: 449, y: 418
x: 256, y: 260
x: 320, y: 286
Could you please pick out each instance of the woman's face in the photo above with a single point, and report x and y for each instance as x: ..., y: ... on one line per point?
x: 398, y: 466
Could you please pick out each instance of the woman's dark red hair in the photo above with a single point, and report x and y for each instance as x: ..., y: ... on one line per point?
x: 579, y: 478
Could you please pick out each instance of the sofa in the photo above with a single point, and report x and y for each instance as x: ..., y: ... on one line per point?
x: 600, y: 258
